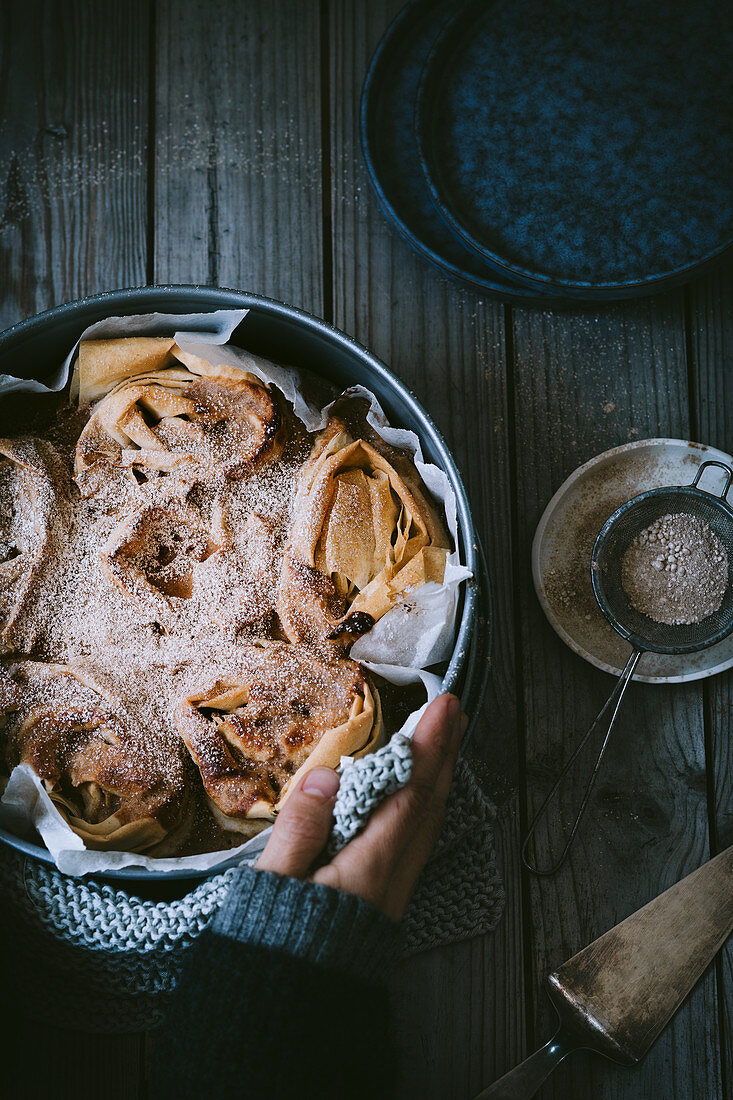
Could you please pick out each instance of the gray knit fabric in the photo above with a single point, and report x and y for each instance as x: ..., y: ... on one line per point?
x: 104, y: 960
x: 308, y: 921
x: 460, y: 893
x: 364, y: 784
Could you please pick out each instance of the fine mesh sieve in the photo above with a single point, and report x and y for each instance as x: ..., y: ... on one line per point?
x: 611, y: 545
x: 643, y: 632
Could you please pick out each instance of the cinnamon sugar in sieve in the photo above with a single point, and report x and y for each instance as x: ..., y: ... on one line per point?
x: 676, y: 570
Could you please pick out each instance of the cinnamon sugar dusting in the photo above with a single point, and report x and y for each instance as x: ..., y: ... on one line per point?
x: 146, y: 675
x: 143, y: 585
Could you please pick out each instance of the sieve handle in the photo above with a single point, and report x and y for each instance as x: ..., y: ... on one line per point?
x: 722, y: 466
x: 602, y: 724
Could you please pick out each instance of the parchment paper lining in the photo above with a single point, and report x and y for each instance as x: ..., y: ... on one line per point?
x: 415, y: 634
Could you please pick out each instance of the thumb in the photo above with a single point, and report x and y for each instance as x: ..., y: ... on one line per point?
x: 300, y: 833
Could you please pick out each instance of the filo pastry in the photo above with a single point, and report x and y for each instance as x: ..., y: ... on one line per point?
x: 253, y: 734
x: 180, y: 566
x: 364, y: 535
x: 164, y: 411
x: 118, y: 789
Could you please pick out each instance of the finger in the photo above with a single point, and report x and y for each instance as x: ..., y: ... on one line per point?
x: 302, y: 827
x: 435, y: 743
x: 415, y: 855
x: 420, y: 840
x: 367, y: 864
x: 445, y: 778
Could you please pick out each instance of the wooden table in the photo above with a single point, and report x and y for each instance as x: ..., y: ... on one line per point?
x: 216, y: 141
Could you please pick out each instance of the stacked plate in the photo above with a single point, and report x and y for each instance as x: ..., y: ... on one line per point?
x: 556, y: 150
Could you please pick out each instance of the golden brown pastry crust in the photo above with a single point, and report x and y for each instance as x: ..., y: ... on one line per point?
x: 116, y: 790
x: 176, y: 574
x: 363, y: 536
x: 101, y: 364
x: 254, y: 735
x: 197, y: 424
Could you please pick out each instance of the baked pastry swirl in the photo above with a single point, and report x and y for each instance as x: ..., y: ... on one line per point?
x: 30, y: 512
x: 199, y: 424
x: 254, y: 734
x: 363, y: 537
x: 117, y: 789
x: 174, y: 565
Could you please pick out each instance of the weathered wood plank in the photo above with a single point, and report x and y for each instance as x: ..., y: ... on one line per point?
x: 242, y: 207
x: 585, y: 382
x: 460, y: 1010
x: 73, y: 158
x: 711, y: 354
x: 237, y: 175
x: 237, y: 189
x: 73, y: 164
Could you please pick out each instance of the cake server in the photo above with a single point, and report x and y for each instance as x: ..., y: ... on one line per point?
x: 615, y: 996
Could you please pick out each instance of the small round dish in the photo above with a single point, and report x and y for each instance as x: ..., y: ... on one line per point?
x: 563, y: 543
x: 390, y: 151
x: 579, y: 149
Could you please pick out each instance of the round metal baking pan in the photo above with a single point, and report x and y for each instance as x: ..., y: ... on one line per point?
x: 35, y: 347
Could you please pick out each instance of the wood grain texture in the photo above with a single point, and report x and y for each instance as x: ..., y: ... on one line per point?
x: 237, y: 189
x: 710, y: 321
x: 237, y: 194
x: 74, y: 83
x: 585, y: 382
x: 73, y: 162
x: 254, y: 106
x: 460, y: 1010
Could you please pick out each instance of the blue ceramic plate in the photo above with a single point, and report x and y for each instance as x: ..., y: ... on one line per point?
x: 390, y: 150
x: 583, y: 148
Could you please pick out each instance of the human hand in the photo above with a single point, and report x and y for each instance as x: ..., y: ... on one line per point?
x: 381, y: 864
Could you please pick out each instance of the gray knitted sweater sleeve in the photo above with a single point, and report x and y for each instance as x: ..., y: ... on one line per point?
x: 308, y: 921
x: 284, y: 993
